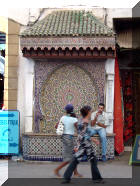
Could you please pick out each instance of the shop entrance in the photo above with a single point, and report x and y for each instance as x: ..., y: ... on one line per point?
x: 137, y: 101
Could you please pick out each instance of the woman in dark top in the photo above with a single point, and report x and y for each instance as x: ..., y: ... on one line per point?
x: 84, y: 147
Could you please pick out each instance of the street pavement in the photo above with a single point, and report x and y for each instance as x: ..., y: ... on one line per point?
x: 3, y: 171
x: 117, y: 168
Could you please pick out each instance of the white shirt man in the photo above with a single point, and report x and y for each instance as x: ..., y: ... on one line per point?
x: 99, y: 122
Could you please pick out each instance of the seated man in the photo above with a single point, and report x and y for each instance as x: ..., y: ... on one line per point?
x: 100, y: 121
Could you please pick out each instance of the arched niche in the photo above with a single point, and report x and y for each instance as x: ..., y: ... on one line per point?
x: 67, y: 84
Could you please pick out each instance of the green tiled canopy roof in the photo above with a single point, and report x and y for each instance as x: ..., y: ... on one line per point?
x: 68, y: 23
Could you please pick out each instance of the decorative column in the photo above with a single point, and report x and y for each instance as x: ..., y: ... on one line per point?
x: 28, y: 96
x: 109, y: 66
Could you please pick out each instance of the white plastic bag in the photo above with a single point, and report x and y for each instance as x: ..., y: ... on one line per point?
x: 60, y: 128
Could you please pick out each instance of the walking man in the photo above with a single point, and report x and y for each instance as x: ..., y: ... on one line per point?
x: 99, y: 123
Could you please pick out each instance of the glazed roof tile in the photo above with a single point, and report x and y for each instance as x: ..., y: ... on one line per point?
x: 68, y: 23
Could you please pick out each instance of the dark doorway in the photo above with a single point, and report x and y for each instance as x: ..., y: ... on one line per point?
x: 137, y: 101
x: 128, y: 53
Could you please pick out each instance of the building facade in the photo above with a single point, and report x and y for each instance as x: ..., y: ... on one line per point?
x: 76, y: 47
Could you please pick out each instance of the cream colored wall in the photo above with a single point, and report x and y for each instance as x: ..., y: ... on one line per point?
x: 18, y: 76
x: 23, y: 15
x: 11, y: 29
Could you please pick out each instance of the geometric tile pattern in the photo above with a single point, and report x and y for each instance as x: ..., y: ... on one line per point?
x: 48, y: 72
x: 67, y: 85
x: 49, y: 147
x: 46, y: 44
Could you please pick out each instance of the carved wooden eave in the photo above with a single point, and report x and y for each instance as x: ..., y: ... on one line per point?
x: 68, y: 46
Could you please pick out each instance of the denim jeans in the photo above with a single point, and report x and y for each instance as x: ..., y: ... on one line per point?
x: 102, y: 134
x: 94, y: 169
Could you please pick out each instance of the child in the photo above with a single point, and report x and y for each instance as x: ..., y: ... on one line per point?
x: 84, y: 147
